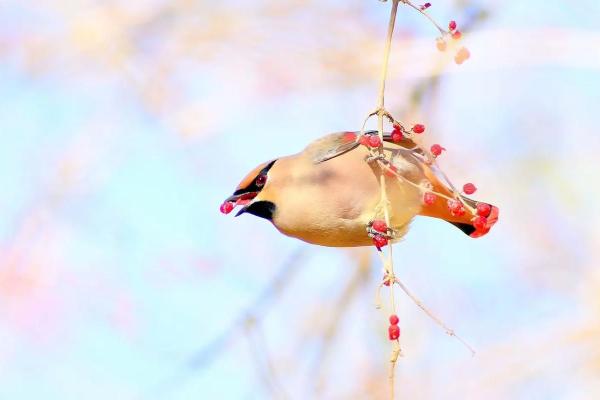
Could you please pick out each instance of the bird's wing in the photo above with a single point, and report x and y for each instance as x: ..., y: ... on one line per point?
x: 336, y: 144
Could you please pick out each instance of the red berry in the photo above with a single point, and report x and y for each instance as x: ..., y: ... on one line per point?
x: 380, y: 241
x: 226, y: 207
x: 452, y: 25
x: 456, y: 35
x: 479, y: 222
x: 386, y: 280
x: 469, y: 188
x: 374, y: 141
x: 436, y: 149
x: 440, y: 44
x: 483, y: 209
x: 418, y: 128
x: 379, y: 225
x: 456, y: 207
x: 429, y: 198
x: 425, y: 6
x: 394, y: 332
x: 397, y: 134
x: 394, y: 319
x: 364, y: 140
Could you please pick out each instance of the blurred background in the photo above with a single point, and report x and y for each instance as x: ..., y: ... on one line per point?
x: 124, y: 124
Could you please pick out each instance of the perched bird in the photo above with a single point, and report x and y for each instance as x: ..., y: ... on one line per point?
x: 329, y: 193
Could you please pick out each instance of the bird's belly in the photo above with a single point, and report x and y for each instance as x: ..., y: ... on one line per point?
x: 334, y: 207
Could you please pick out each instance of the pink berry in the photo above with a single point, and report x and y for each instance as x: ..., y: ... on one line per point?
x: 374, y: 141
x: 452, y: 25
x: 380, y: 241
x: 379, y: 225
x: 429, y: 198
x: 418, y: 128
x: 394, y: 332
x: 226, y: 207
x: 456, y: 35
x: 483, y: 209
x: 436, y: 149
x: 469, y: 188
x: 479, y: 222
x: 394, y: 319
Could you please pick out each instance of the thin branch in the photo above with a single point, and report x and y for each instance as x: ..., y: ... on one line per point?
x: 431, y: 315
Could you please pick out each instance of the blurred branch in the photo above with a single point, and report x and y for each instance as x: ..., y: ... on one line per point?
x: 358, y: 279
x: 253, y: 314
x: 266, y: 369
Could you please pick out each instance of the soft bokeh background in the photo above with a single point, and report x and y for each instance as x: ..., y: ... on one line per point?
x: 124, y: 124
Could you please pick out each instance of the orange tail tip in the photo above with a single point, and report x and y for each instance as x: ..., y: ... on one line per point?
x: 475, y: 224
x: 467, y: 222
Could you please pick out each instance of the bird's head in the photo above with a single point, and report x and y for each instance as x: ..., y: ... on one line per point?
x: 249, y: 194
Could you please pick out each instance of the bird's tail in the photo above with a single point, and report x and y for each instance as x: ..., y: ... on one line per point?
x: 474, y: 218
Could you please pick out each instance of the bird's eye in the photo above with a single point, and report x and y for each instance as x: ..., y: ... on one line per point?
x: 261, y: 180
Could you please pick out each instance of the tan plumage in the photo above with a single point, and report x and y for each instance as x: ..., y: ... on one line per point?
x: 327, y: 194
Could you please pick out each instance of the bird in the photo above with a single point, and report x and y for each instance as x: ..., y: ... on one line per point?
x: 329, y: 193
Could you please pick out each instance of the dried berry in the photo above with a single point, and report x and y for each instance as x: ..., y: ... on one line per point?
x: 440, y: 44
x: 462, y: 55
x: 429, y: 198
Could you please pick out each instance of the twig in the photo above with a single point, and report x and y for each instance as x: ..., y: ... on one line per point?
x: 204, y: 357
x: 359, y: 278
x: 431, y: 315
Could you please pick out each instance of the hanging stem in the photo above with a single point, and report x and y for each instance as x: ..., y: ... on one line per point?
x: 381, y: 113
x: 386, y: 56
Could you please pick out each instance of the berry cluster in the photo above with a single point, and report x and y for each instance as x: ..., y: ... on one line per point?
x: 380, y: 233
x: 394, y: 329
x: 463, y: 53
x: 483, y: 211
x: 399, y: 132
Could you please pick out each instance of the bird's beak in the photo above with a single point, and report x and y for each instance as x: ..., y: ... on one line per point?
x: 242, y: 199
